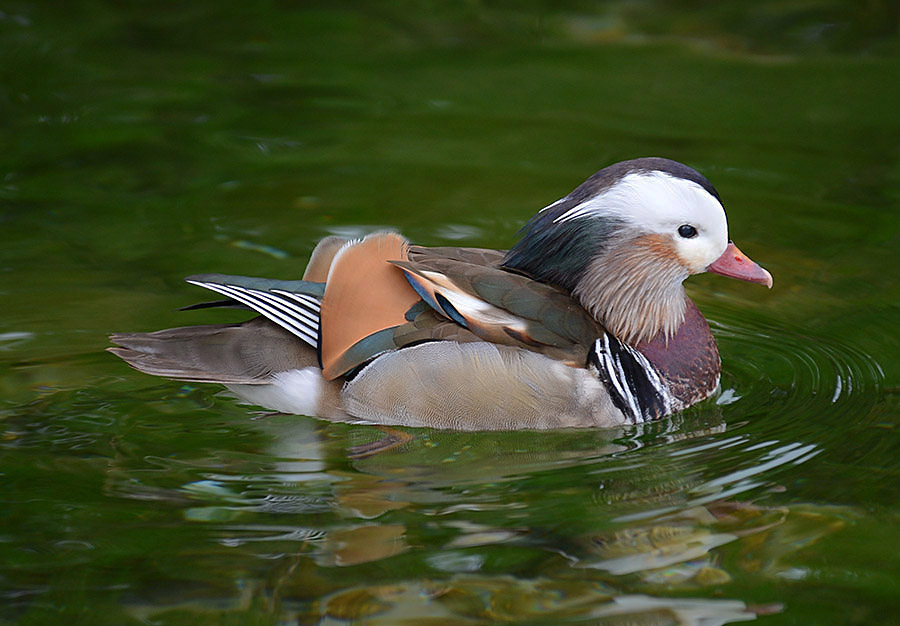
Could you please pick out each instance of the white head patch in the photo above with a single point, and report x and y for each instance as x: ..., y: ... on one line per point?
x: 658, y: 203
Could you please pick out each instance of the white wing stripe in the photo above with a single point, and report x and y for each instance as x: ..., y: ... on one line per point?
x: 302, y: 298
x: 287, y: 308
x: 263, y: 306
x: 285, y: 312
x: 259, y: 305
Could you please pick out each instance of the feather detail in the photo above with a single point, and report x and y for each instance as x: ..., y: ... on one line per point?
x: 248, y: 353
x: 500, y: 306
x: 633, y: 383
x: 292, y: 304
x: 634, y: 289
x: 688, y: 360
x: 477, y: 386
x: 364, y: 294
x: 441, y: 293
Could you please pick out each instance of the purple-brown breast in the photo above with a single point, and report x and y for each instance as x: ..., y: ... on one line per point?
x: 689, y: 360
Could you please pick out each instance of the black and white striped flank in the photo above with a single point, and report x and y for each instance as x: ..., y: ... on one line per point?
x: 633, y: 383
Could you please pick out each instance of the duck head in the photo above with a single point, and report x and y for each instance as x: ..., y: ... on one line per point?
x: 624, y: 241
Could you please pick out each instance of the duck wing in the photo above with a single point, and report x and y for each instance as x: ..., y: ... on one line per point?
x: 382, y: 294
x: 363, y: 296
x: 292, y: 304
x: 467, y: 286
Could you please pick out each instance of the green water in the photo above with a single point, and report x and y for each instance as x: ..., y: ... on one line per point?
x: 145, y: 142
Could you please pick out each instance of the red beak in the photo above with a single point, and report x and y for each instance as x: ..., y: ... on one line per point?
x: 735, y: 264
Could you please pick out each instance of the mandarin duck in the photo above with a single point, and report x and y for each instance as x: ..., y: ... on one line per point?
x: 582, y: 323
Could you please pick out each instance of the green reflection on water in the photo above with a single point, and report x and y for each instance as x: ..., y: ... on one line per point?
x: 143, y: 143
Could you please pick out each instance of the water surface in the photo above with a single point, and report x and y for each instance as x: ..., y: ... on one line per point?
x: 146, y: 143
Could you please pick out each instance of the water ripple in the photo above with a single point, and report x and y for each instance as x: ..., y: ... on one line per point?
x: 785, y: 398
x: 804, y: 382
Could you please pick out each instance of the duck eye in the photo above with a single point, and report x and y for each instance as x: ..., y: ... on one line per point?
x: 687, y: 231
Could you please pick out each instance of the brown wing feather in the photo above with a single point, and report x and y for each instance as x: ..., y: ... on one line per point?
x: 431, y: 326
x: 476, y: 256
x: 364, y: 294
x: 514, y: 309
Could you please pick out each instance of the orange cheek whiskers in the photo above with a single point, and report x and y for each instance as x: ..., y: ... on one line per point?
x: 658, y: 247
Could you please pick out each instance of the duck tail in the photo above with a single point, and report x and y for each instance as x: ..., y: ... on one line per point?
x: 249, y: 353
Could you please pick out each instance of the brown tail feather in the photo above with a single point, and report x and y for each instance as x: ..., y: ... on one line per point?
x: 248, y: 353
